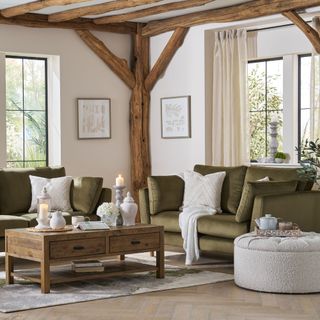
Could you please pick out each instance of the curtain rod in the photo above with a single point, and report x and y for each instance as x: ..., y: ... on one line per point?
x: 274, y: 27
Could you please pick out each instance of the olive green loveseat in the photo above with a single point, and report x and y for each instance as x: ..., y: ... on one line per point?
x: 161, y: 203
x: 86, y: 193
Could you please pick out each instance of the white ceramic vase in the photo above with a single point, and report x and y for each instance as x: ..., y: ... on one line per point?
x: 129, y: 210
x: 57, y: 220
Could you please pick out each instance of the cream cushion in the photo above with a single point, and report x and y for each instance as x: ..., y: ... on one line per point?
x: 274, y: 264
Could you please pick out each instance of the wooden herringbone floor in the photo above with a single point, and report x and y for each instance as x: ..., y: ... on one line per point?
x: 220, y: 301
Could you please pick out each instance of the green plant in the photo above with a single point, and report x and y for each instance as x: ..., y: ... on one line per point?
x: 309, y: 155
x: 280, y: 155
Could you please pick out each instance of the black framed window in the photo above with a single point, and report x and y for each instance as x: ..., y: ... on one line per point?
x: 265, y: 97
x: 304, y: 90
x: 26, y: 112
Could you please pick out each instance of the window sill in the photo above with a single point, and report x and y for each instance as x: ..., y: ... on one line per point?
x: 276, y: 165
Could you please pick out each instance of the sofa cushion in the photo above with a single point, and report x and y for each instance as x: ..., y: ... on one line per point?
x: 255, y: 188
x: 232, y: 185
x: 31, y: 217
x: 85, y: 193
x: 165, y: 193
x: 11, y: 222
x: 168, y: 219
x: 15, y: 187
x: 255, y: 173
x: 221, y: 225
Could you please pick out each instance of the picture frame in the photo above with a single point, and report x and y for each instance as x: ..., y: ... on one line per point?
x: 94, y: 118
x: 176, y: 117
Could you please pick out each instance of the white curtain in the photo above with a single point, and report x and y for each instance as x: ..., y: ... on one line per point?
x: 315, y: 91
x: 230, y: 116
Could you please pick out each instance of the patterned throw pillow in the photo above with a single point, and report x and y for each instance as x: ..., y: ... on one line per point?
x: 58, y: 189
x: 203, y: 190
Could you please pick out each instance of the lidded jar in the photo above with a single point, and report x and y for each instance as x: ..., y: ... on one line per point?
x: 129, y: 210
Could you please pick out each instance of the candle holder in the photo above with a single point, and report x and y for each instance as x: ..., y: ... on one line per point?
x: 43, y: 208
x: 119, y: 199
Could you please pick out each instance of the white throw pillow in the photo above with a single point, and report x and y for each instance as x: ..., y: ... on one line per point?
x: 202, y: 190
x: 265, y: 179
x: 58, y: 189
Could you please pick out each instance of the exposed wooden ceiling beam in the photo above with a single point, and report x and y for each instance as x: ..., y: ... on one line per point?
x: 41, y: 21
x: 34, y: 6
x: 165, y: 57
x: 152, y: 11
x: 98, y: 9
x: 248, y: 10
x: 117, y: 65
x: 310, y: 33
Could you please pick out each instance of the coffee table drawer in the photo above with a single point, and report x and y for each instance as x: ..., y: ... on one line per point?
x: 77, y: 248
x: 133, y: 242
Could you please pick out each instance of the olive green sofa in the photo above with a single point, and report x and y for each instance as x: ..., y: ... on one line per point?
x: 161, y: 203
x: 86, y: 193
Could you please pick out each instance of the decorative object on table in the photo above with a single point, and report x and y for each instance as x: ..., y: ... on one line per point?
x: 43, y: 206
x: 175, y: 117
x: 57, y: 220
x: 94, y: 118
x: 279, y: 157
x: 93, y: 225
x: 65, y: 229
x: 273, y: 146
x: 108, y: 212
x: 128, y: 210
x: 75, y: 220
x: 119, y: 187
x: 87, y: 266
x: 309, y: 155
x: 285, y: 225
x: 268, y: 222
x: 293, y: 232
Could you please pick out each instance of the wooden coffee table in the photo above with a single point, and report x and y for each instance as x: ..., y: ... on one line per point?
x: 56, y: 247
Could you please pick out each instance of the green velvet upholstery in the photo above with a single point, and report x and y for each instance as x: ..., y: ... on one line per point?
x: 232, y: 185
x: 253, y: 189
x: 216, y: 245
x: 221, y: 225
x: 105, y: 196
x: 85, y: 193
x: 15, y: 187
x: 168, y: 219
x: 165, y: 193
x: 173, y: 239
x: 2, y: 244
x: 302, y: 208
x: 11, y: 222
x: 276, y: 174
x: 144, y: 207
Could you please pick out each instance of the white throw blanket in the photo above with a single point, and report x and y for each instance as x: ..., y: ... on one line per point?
x: 188, y: 221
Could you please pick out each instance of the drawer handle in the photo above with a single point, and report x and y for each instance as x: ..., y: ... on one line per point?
x: 135, y: 242
x: 78, y: 247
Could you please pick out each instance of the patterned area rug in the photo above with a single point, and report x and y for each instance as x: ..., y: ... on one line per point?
x: 25, y: 295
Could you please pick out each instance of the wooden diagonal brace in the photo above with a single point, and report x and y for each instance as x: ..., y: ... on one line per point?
x: 117, y: 65
x: 165, y: 57
x: 310, y: 33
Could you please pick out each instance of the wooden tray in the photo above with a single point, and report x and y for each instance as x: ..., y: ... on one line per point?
x: 294, y: 232
x: 65, y: 229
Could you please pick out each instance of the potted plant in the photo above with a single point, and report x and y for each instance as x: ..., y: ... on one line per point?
x: 309, y: 155
x: 279, y: 157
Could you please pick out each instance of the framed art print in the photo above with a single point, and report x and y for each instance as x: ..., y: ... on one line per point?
x: 94, y: 118
x: 175, y: 117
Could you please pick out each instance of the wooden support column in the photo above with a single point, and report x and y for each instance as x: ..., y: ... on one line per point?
x: 139, y: 115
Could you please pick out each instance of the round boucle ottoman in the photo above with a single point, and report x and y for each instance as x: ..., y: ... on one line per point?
x: 274, y: 264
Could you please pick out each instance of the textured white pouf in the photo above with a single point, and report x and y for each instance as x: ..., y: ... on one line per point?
x: 286, y: 265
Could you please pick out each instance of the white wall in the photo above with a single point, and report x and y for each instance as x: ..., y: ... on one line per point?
x: 186, y: 76
x: 83, y: 75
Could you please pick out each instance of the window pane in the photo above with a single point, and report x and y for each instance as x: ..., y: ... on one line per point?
x: 256, y: 86
x: 14, y: 87
x: 14, y: 134
x: 33, y: 164
x: 34, y: 84
x: 273, y: 115
x: 274, y: 84
x: 15, y: 164
x: 305, y: 74
x: 305, y: 124
x: 35, y: 135
x: 258, y: 134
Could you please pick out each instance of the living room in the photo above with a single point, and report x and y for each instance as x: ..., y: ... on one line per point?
x: 135, y: 68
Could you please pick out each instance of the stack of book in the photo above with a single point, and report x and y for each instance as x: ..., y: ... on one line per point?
x: 87, y: 266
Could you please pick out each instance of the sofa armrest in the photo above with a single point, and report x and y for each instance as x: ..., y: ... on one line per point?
x: 144, y: 205
x: 302, y: 208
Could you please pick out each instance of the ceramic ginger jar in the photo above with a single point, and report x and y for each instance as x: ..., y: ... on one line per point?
x: 57, y: 220
x: 129, y: 210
